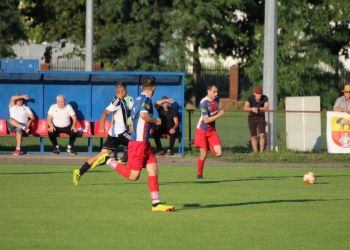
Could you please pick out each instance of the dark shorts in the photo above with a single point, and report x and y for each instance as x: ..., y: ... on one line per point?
x: 256, y: 123
x: 112, y: 143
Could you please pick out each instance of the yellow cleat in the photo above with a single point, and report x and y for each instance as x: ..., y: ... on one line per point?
x: 76, y: 177
x: 163, y: 208
x: 100, y: 160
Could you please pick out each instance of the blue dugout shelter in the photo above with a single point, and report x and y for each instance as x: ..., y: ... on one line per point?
x: 88, y: 92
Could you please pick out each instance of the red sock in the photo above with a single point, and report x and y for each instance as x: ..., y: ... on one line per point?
x: 154, y: 188
x: 200, y: 165
x: 122, y: 170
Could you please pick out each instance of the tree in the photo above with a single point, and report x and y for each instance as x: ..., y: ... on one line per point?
x: 225, y: 27
x: 11, y: 29
x: 311, y: 34
x: 51, y: 20
x: 130, y: 33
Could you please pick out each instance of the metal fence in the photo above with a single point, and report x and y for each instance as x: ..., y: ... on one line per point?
x: 234, y: 133
x: 217, y: 75
x: 71, y: 65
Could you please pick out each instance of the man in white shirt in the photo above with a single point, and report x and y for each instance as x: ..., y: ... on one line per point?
x: 118, y: 134
x: 20, y: 119
x: 59, y: 121
x: 342, y: 104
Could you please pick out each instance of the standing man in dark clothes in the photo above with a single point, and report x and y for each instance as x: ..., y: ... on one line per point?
x: 257, y: 104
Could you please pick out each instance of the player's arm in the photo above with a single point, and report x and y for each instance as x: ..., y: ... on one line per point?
x: 16, y: 97
x: 74, y: 122
x: 265, y: 108
x: 149, y: 119
x: 30, y: 120
x: 250, y: 109
x: 50, y: 123
x: 145, y: 113
x: 176, y: 125
x: 210, y: 119
x: 103, y: 119
x: 161, y: 101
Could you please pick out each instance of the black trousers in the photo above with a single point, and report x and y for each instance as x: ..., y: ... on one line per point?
x: 157, y: 135
x: 67, y: 130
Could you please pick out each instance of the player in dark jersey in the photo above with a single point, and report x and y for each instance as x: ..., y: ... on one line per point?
x: 140, y: 154
x: 118, y: 134
x: 206, y: 137
x: 257, y: 104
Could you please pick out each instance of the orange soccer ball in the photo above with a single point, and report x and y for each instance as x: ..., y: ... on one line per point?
x: 310, y: 178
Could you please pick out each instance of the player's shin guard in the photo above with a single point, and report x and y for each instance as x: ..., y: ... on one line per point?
x: 200, y: 166
x: 122, y: 169
x: 154, y: 189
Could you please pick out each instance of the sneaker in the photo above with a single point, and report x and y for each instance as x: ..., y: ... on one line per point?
x: 169, y: 152
x: 16, y: 152
x: 199, y: 176
x: 160, y: 152
x: 102, y: 159
x: 161, y: 207
x: 71, y: 151
x: 56, y: 151
x: 76, y: 177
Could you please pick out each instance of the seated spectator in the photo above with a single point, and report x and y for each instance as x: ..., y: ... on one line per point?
x: 169, y: 125
x: 59, y: 121
x: 342, y: 104
x: 20, y: 119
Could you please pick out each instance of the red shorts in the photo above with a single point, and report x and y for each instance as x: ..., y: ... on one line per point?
x: 206, y: 140
x: 139, y: 155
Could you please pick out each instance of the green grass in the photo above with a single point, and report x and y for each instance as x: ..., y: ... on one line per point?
x: 233, y: 208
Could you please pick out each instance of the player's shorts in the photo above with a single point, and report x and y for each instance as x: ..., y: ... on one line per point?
x: 206, y: 140
x: 139, y: 155
x: 256, y: 123
x: 112, y: 143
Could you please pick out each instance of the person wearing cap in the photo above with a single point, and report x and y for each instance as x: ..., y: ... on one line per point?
x: 342, y: 104
x: 257, y: 104
x: 20, y: 119
x: 169, y: 125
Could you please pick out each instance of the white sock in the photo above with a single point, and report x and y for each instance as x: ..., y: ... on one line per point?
x: 112, y: 163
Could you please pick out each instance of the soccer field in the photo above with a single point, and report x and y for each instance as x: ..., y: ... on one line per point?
x: 232, y: 208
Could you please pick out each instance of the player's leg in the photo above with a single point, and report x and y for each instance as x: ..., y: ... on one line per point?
x: 214, y: 143
x: 200, y: 141
x: 153, y: 186
x: 16, y: 124
x: 200, y: 162
x: 18, y: 142
x: 261, y: 127
x: 72, y: 138
x: 53, y: 139
x: 132, y: 169
x: 262, y: 142
x: 173, y: 137
x: 111, y: 144
x: 253, y: 125
x: 156, y: 137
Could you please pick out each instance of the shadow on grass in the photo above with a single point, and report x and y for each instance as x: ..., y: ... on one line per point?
x: 200, y: 206
x: 48, y: 173
x: 256, y: 178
